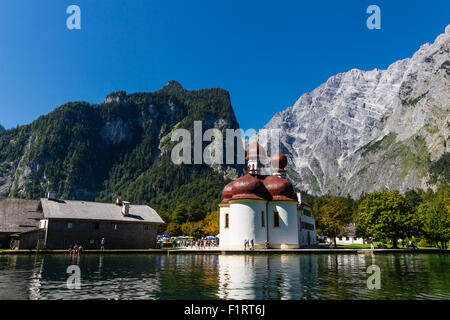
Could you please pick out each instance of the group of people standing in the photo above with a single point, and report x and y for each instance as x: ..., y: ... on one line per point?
x: 250, y: 244
x: 77, y: 249
x: 204, y: 243
x: 197, y: 244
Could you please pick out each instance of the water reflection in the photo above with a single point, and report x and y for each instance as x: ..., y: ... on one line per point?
x: 267, y: 276
x: 211, y: 276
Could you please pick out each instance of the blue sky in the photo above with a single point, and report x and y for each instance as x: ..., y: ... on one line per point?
x: 266, y: 53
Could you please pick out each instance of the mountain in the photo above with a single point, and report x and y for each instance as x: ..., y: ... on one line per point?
x: 366, y: 130
x: 120, y: 147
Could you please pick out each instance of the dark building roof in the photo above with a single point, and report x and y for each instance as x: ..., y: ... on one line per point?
x: 269, y: 188
x: 280, y: 189
x: 17, y: 215
x: 227, y: 192
x: 250, y: 187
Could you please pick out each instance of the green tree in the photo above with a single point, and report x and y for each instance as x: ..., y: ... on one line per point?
x: 414, y: 198
x: 436, y: 217
x: 317, y: 204
x: 335, y: 214
x: 173, y: 229
x: 437, y: 226
x: 179, y: 215
x: 440, y: 169
x: 165, y: 215
x: 386, y: 214
x: 211, y: 224
x: 196, y: 211
x: 193, y: 229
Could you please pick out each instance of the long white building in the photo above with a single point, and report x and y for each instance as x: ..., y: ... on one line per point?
x: 264, y: 208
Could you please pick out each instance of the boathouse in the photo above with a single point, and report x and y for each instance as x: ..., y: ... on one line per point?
x: 59, y: 224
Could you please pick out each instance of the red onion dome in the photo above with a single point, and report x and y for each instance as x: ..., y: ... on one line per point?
x: 227, y: 192
x: 280, y: 189
x: 279, y: 161
x: 250, y: 187
x: 256, y: 151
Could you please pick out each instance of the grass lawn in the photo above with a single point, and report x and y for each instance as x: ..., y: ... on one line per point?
x: 367, y: 246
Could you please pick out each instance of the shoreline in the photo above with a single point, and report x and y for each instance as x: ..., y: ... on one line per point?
x: 225, y: 251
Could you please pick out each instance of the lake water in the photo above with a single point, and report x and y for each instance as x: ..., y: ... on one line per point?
x: 212, y: 276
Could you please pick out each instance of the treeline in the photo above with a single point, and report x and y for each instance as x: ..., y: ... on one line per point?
x: 192, y: 220
x: 418, y: 216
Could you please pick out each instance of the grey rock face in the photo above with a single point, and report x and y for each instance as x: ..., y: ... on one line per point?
x: 366, y: 130
x: 116, y: 97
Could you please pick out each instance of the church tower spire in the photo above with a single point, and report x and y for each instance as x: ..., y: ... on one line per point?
x: 255, y: 154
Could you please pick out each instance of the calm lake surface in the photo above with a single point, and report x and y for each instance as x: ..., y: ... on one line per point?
x: 211, y: 276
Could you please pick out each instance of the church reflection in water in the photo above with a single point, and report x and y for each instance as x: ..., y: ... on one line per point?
x: 284, y: 276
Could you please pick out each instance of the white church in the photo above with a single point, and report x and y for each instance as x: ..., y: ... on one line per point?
x: 264, y: 208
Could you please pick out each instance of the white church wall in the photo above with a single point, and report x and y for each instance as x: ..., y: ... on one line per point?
x: 224, y: 232
x: 244, y: 224
x: 286, y: 235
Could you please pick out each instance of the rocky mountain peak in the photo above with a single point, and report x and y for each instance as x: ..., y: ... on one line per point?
x: 339, y: 135
x: 173, y: 84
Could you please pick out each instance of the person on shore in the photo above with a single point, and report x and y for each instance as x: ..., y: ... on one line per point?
x: 80, y: 249
x: 75, y: 249
x: 102, y: 244
x: 371, y: 244
x: 245, y: 244
x: 266, y: 244
x: 252, y: 245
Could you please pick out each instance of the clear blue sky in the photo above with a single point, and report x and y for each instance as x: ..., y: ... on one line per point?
x: 266, y: 53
